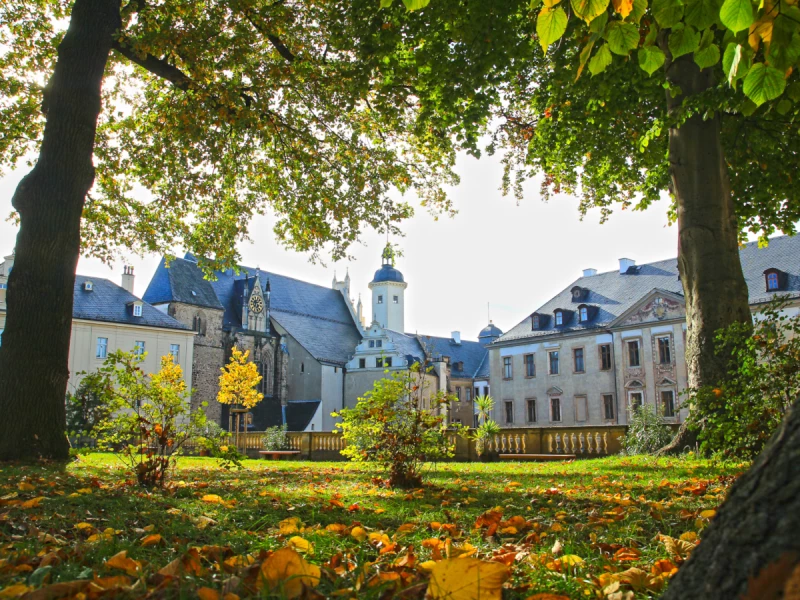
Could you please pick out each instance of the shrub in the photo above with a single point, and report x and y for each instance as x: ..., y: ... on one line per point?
x: 647, y: 432
x: 148, y: 417
x: 85, y: 408
x: 487, y: 427
x: 737, y: 417
x: 397, y: 426
x: 275, y: 438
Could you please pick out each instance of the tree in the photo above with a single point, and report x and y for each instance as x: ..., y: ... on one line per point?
x: 238, y: 381
x: 218, y: 110
x: 487, y: 427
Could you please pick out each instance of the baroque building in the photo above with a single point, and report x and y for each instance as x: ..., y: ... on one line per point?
x: 612, y: 342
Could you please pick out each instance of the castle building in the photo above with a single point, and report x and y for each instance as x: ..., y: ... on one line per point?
x: 612, y: 342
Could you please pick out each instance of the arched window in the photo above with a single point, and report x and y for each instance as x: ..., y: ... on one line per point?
x: 773, y: 282
x: 584, y: 314
x: 559, y: 317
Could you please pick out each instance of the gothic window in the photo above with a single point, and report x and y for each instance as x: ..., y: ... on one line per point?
x: 584, y: 314
x: 773, y: 282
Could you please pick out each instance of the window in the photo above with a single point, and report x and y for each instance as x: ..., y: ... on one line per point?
x: 379, y: 362
x: 468, y: 393
x: 608, y: 406
x: 581, y: 408
x: 633, y: 353
x: 553, y: 360
x: 387, y: 362
x: 372, y: 343
x: 555, y: 409
x: 536, y: 321
x: 559, y: 318
x: 475, y: 423
x: 362, y: 363
x: 302, y: 367
x: 664, y: 352
x: 668, y: 403
x: 138, y: 348
x: 605, y: 357
x: 636, y: 399
x: 530, y: 366
x: 396, y: 299
x: 102, y: 348
x: 773, y: 283
x: 577, y: 354
x: 477, y: 392
x: 509, y: 411
x: 378, y: 343
x: 175, y: 351
x: 584, y: 314
x: 508, y: 371
x: 458, y: 394
x: 137, y: 310
x: 380, y: 299
x: 532, y: 410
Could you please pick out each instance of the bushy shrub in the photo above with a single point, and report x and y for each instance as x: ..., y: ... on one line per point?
x: 148, y: 417
x: 647, y: 432
x: 487, y: 427
x: 398, y: 426
x: 85, y: 407
x: 275, y: 438
x: 737, y: 417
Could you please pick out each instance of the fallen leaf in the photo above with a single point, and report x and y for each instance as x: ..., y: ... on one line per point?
x: 212, y: 499
x: 151, y: 540
x: 207, y: 593
x: 122, y: 562
x: 285, y: 571
x: 359, y: 533
x: 301, y: 544
x: 467, y: 579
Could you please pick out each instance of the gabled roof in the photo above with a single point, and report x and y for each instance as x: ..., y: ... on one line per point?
x: 470, y: 353
x: 110, y: 303
x: 408, y: 345
x: 182, y: 282
x: 614, y: 293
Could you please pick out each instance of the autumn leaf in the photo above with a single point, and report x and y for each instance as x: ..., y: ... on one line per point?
x: 467, y: 579
x: 207, y: 593
x: 33, y: 502
x: 151, y: 540
x: 212, y: 499
x: 26, y: 487
x: 285, y: 571
x: 122, y: 562
x: 301, y: 545
x: 359, y: 533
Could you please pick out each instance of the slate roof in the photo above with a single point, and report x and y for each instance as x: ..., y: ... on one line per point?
x: 408, y: 345
x: 109, y: 303
x: 317, y: 317
x: 614, y: 293
x: 299, y: 413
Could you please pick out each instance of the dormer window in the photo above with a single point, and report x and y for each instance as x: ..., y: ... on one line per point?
x: 559, y: 317
x: 536, y: 321
x: 137, y: 310
x: 579, y: 293
x: 584, y: 314
x: 539, y: 321
x: 88, y: 286
x: 776, y: 280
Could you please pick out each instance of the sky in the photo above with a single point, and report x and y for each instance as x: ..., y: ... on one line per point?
x: 495, y: 259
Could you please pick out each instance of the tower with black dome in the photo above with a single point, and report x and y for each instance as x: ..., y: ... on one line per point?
x: 388, y: 289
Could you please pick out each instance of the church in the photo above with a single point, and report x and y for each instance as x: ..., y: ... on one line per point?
x: 313, y: 347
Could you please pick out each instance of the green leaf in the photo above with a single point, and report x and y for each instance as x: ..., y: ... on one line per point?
x: 386, y: 3
x: 683, y: 40
x: 639, y: 8
x: 550, y: 25
x: 652, y: 35
x: 650, y: 59
x: 416, y: 4
x: 707, y: 57
x: 667, y: 12
x: 584, y: 56
x: 600, y: 60
x: 622, y: 37
x: 763, y: 83
x: 702, y: 14
x: 589, y: 9
x: 598, y: 25
x: 784, y: 55
x: 793, y: 91
x: 736, y: 62
x: 736, y: 14
x: 784, y: 106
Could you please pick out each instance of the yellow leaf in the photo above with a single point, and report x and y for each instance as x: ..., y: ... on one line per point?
x: 571, y: 560
x: 428, y: 565
x: 708, y: 514
x: 286, y: 571
x: 301, y: 544
x: 33, y: 502
x: 689, y: 536
x: 359, y: 533
x: 212, y: 499
x: 84, y: 526
x: 26, y: 487
x: 15, y: 591
x: 467, y: 579
x: 151, y: 540
x: 406, y: 528
x: 289, y: 526
x: 546, y: 596
x: 85, y: 491
x: 623, y: 7
x: 207, y: 593
x: 122, y: 562
x: 202, y: 522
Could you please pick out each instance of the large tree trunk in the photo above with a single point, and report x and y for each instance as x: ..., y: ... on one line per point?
x: 753, y: 544
x: 708, y: 252
x: 50, y: 199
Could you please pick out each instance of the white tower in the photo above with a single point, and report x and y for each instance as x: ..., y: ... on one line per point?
x: 388, y: 289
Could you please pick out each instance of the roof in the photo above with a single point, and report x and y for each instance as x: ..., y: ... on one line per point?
x: 110, y: 303
x: 299, y: 414
x: 388, y: 273
x: 613, y: 293
x: 316, y: 316
x: 270, y: 413
x: 472, y: 354
x: 489, y: 333
x: 408, y: 345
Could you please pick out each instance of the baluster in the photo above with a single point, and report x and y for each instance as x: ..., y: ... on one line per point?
x: 549, y: 444
x: 589, y: 442
x: 573, y: 439
x: 580, y: 442
x: 597, y: 441
x: 517, y: 444
x: 605, y: 443
x: 558, y: 443
x: 524, y: 450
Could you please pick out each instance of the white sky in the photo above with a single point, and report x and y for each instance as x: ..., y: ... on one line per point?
x: 514, y: 257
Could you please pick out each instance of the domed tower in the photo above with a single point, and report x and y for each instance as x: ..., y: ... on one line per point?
x: 388, y: 288
x: 489, y: 334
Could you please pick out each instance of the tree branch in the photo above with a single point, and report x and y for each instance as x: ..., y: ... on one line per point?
x: 156, y: 66
x: 280, y: 47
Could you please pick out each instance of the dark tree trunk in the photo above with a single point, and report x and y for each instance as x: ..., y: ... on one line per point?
x: 753, y: 544
x: 708, y: 251
x: 50, y: 199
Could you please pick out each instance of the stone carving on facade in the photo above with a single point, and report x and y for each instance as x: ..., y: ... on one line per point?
x: 659, y: 308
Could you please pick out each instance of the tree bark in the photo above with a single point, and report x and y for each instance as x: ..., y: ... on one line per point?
x: 752, y: 546
x: 50, y: 199
x: 708, y: 249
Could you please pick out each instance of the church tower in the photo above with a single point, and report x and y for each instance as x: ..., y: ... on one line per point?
x: 388, y: 289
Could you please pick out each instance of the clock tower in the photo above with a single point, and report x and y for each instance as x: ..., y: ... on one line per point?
x: 255, y: 309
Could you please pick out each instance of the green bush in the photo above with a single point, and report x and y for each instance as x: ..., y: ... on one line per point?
x: 737, y: 417
x: 86, y: 407
x: 646, y: 433
x: 275, y: 438
x: 398, y: 426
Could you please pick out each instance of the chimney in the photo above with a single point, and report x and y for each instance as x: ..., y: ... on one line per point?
x: 625, y: 264
x: 127, y: 279
x: 589, y: 272
x: 456, y: 337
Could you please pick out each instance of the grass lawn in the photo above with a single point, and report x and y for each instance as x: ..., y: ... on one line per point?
x: 614, y: 527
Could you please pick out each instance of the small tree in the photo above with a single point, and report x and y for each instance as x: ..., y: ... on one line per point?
x: 86, y: 407
x: 738, y: 417
x: 397, y: 427
x: 238, y: 381
x: 487, y: 427
x: 647, y: 432
x: 148, y: 419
